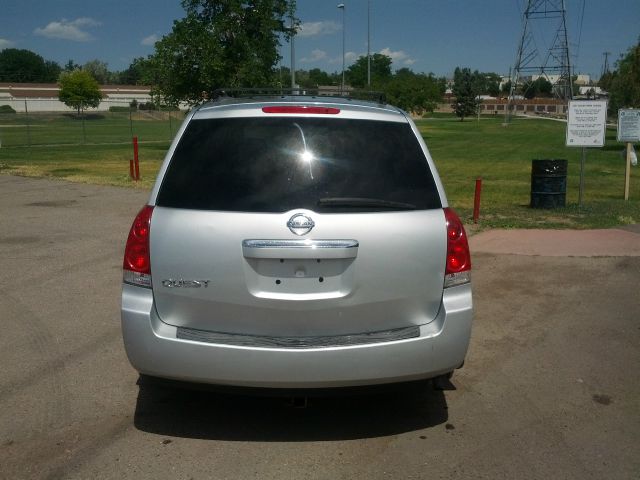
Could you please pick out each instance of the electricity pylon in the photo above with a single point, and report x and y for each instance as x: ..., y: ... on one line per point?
x: 554, y: 63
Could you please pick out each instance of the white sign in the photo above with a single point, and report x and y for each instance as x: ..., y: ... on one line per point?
x: 586, y: 123
x: 628, y: 125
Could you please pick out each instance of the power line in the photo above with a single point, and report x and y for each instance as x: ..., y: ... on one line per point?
x: 579, y: 34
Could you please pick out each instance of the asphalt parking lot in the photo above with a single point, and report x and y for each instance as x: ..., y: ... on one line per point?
x: 551, y: 387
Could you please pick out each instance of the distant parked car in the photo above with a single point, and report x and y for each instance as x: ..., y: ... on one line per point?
x: 297, y: 242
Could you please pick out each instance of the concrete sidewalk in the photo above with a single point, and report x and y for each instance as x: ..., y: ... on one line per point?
x: 617, y: 242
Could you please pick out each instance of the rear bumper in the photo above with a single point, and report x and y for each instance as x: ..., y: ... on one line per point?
x: 153, y: 349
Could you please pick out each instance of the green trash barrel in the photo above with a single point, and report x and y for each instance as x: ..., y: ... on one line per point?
x: 548, y: 183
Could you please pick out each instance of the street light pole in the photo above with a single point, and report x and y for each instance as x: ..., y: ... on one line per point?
x: 293, y: 58
x: 342, y: 7
x: 369, y: 44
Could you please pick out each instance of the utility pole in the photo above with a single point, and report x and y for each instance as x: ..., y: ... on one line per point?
x: 605, y: 66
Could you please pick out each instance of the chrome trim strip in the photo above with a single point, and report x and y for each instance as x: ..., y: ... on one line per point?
x: 300, y: 244
x: 263, y: 341
x: 300, y: 249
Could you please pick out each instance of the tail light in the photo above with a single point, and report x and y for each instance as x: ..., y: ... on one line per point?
x: 458, y: 267
x: 301, y: 109
x: 137, y: 260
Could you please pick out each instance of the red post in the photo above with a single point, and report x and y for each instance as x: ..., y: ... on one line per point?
x: 476, y: 200
x: 135, y: 158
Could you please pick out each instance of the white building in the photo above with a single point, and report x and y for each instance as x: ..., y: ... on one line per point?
x: 43, y: 97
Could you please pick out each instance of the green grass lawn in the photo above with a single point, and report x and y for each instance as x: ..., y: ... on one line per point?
x: 501, y: 156
x: 68, y: 128
x: 462, y: 151
x: 55, y: 145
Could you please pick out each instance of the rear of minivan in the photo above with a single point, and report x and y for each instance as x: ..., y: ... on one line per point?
x: 293, y: 243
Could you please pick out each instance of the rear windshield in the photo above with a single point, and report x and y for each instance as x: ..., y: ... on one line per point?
x: 280, y: 164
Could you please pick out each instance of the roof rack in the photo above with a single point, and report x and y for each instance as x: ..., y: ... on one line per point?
x: 351, y: 94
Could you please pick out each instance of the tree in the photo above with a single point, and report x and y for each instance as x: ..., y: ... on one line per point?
x: 303, y: 79
x: 466, y: 93
x: 356, y: 74
x: 414, y: 92
x: 486, y: 83
x: 98, y: 70
x: 492, y: 84
x: 52, y: 71
x: 70, y: 66
x: 79, y: 90
x: 220, y: 43
x: 282, y: 76
x: 17, y: 65
x: 605, y: 81
x: 139, y: 72
x: 318, y: 77
x: 540, y: 87
x: 624, y: 87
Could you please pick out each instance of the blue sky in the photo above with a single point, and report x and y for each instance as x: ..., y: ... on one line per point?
x: 424, y: 35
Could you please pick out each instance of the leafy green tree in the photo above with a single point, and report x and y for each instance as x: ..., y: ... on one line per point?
x: 528, y: 90
x: 318, y: 77
x: 309, y: 78
x: 79, y: 90
x: 356, y: 74
x: 70, y: 66
x: 19, y: 65
x: 540, y: 87
x: 414, y: 92
x: 51, y: 71
x: 544, y: 88
x: 605, y: 81
x: 493, y: 84
x: 282, y: 77
x: 139, y: 72
x: 220, y: 43
x: 98, y: 70
x: 486, y: 83
x: 624, y: 87
x: 302, y: 79
x: 466, y: 92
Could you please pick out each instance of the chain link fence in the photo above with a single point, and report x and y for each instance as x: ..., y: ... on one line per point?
x: 37, y: 125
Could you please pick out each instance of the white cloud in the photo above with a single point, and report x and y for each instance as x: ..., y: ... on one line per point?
x: 313, y: 29
x: 4, y: 43
x: 150, y: 40
x: 73, y: 30
x: 349, y: 58
x: 316, y: 56
x: 399, y: 56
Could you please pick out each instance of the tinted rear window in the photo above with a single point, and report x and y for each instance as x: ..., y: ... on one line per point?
x: 279, y: 164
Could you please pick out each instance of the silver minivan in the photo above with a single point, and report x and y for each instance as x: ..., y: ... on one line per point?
x: 297, y: 242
